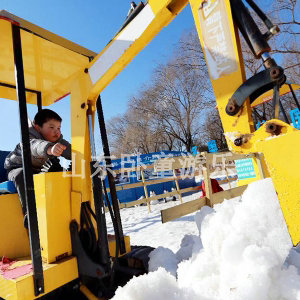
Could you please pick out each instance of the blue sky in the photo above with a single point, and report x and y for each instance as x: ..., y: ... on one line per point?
x: 92, y: 24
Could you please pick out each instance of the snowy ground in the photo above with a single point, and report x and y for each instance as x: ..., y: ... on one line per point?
x: 145, y: 228
x: 239, y: 250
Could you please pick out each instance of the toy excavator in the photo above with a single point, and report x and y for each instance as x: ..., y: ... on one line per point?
x: 68, y: 246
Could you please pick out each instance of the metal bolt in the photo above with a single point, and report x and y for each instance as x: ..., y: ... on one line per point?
x: 232, y: 107
x: 273, y: 128
x: 238, y: 142
x: 274, y: 73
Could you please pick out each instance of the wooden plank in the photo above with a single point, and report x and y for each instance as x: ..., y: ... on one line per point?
x: 132, y: 169
x: 161, y: 196
x: 207, y: 181
x: 189, y: 189
x: 145, y: 190
x: 182, y: 209
x: 122, y: 205
x: 228, y: 194
x: 226, y: 181
x: 191, y: 206
x: 227, y: 177
x: 155, y: 181
x: 177, y: 186
x: 140, y: 184
x: 259, y: 158
x: 156, y: 197
x: 136, y: 202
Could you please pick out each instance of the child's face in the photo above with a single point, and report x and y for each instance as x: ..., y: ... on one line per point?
x: 50, y: 130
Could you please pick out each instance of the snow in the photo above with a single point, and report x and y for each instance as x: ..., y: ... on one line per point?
x: 145, y: 228
x: 240, y: 249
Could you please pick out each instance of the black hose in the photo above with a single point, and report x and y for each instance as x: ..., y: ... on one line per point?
x: 116, y: 262
x: 85, y: 219
x: 261, y: 14
x: 91, y: 211
x: 113, y: 219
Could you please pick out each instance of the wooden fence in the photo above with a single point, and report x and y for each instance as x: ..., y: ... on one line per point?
x: 145, y: 183
x: 225, y: 160
x: 202, y: 163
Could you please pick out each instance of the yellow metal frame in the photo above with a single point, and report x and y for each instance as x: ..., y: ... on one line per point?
x: 14, y: 238
x: 55, y: 275
x: 53, y: 204
x: 281, y: 153
x: 50, y: 61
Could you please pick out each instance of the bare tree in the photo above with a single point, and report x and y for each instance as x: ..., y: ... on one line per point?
x: 214, y: 129
x: 175, y: 100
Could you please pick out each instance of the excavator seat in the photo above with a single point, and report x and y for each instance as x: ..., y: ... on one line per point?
x: 6, y: 187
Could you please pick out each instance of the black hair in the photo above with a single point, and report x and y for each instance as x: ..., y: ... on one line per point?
x: 44, y: 116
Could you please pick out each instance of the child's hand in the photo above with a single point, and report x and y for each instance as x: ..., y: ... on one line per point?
x: 56, y: 150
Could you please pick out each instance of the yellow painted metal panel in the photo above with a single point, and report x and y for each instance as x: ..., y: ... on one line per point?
x: 282, y: 159
x: 55, y: 276
x: 250, y: 140
x: 48, y: 35
x: 220, y: 43
x: 173, y: 6
x: 75, y: 206
x: 13, y: 236
x: 281, y: 154
x: 112, y: 245
x: 8, y: 289
x: 81, y: 182
x: 157, y: 6
x: 130, y: 46
x: 87, y: 293
x: 53, y: 200
x: 48, y: 67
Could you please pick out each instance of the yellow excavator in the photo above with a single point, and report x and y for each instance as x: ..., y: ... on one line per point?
x: 67, y: 245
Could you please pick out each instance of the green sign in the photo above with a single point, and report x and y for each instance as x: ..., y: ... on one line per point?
x: 245, y: 168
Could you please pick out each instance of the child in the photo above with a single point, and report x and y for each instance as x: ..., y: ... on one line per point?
x: 46, y: 141
x: 214, y: 185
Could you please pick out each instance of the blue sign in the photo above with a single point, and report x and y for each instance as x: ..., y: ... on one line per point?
x: 212, y: 146
x: 260, y: 124
x: 194, y: 150
x: 295, y: 116
x: 245, y: 168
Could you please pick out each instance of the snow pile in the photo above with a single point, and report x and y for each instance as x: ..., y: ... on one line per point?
x: 163, y: 257
x: 244, y: 253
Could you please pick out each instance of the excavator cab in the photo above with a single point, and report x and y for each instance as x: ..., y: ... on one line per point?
x: 67, y: 241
